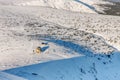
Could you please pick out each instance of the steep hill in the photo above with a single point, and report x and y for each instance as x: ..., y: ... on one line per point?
x: 78, y: 45
x: 80, y: 68
x: 22, y: 31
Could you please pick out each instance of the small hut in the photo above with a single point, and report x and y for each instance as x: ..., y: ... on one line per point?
x: 38, y: 50
x: 41, y: 48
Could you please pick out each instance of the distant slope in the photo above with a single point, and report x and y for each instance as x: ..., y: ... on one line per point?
x: 113, y: 8
x: 113, y: 0
x: 85, y: 6
x: 70, y: 5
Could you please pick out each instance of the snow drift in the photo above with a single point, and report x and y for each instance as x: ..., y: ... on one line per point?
x: 99, y: 67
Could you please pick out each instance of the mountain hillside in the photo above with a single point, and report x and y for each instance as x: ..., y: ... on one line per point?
x: 58, y: 40
x: 26, y: 30
x: 87, y: 6
x: 80, y: 68
x: 70, y: 5
x: 103, y: 25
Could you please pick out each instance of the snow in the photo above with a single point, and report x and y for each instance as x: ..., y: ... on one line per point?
x: 101, y: 25
x: 79, y: 68
x: 87, y: 6
x: 77, y: 43
x: 25, y: 31
x: 15, y: 41
x: 59, y: 4
x: 6, y: 76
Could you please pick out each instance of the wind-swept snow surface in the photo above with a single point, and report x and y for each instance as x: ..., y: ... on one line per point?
x: 87, y: 6
x: 6, y: 76
x: 22, y: 31
x: 78, y: 41
x: 70, y: 5
x: 99, y: 67
x: 105, y: 26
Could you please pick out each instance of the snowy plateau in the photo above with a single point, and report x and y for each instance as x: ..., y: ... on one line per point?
x: 79, y: 39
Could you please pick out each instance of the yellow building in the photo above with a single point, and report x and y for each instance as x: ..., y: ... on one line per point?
x: 38, y: 50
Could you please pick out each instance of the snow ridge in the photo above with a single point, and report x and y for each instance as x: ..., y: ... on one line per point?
x: 70, y: 5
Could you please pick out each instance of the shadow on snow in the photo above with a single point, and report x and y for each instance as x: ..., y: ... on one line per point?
x: 72, y: 46
x: 87, y: 5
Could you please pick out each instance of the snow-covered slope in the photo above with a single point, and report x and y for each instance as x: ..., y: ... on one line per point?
x: 6, y: 76
x: 16, y: 47
x: 99, y: 67
x: 87, y: 6
x: 22, y: 31
x: 59, y: 4
x: 101, y: 25
x: 67, y: 34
